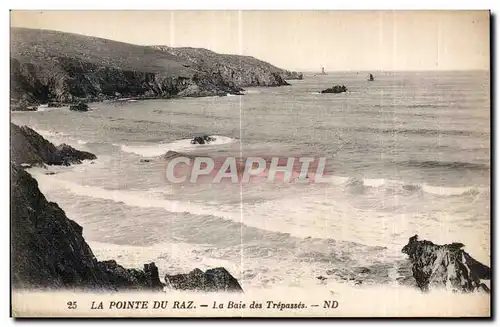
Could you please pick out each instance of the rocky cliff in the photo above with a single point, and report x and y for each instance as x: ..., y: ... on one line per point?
x: 48, y: 249
x: 240, y: 71
x: 445, y: 266
x: 49, y: 66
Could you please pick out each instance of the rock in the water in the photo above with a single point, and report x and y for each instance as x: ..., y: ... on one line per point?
x: 55, y: 104
x: 335, y: 89
x: 145, y: 160
x: 205, y: 139
x: 445, y: 266
x: 70, y: 155
x: 29, y: 147
x: 50, y: 173
x: 79, y: 107
x: 212, y: 280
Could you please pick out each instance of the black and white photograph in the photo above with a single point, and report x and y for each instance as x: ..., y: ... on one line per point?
x: 250, y: 163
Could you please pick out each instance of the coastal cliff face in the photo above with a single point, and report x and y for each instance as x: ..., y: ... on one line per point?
x: 240, y: 71
x: 48, y: 249
x: 49, y: 66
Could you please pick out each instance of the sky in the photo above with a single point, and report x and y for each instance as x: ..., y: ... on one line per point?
x: 296, y: 40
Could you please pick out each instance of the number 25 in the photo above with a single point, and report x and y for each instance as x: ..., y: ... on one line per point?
x: 71, y: 305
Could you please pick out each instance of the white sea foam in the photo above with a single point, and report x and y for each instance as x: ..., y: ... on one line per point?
x: 179, y: 145
x: 320, y: 214
x: 252, y: 91
x: 408, y: 186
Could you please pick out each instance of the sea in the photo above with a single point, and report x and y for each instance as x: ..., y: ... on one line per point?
x: 408, y: 153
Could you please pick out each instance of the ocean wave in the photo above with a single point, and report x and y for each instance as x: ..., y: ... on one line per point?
x: 424, y: 106
x: 411, y: 106
x: 396, y: 186
x: 445, y: 164
x: 50, y: 133
x: 141, y: 199
x: 179, y: 145
x: 421, y: 131
x: 251, y: 92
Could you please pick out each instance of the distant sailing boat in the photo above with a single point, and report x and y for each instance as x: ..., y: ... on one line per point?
x: 371, y: 78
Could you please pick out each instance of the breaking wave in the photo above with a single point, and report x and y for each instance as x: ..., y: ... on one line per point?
x: 179, y: 145
x: 445, y: 164
x: 402, y: 187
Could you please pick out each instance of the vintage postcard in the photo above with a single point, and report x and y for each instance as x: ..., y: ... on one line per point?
x: 250, y: 163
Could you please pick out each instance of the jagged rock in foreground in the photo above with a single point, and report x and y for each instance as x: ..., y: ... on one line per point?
x: 445, y: 266
x: 335, y: 89
x: 240, y: 71
x: 132, y: 279
x: 29, y: 147
x: 49, y: 251
x: 212, y: 280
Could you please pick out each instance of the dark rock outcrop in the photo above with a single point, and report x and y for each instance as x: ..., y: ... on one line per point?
x: 240, y: 71
x: 29, y: 147
x: 49, y: 251
x: 212, y: 280
x: 335, y: 89
x: 70, y: 155
x: 132, y: 279
x: 205, y: 139
x: 445, y: 266
x: 79, y: 107
x: 287, y: 74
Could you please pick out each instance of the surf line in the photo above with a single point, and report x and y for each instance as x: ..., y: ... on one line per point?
x: 250, y: 170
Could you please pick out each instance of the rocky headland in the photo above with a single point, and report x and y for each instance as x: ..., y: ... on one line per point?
x: 48, y: 250
x: 63, y: 68
x: 27, y: 147
x: 235, y: 70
